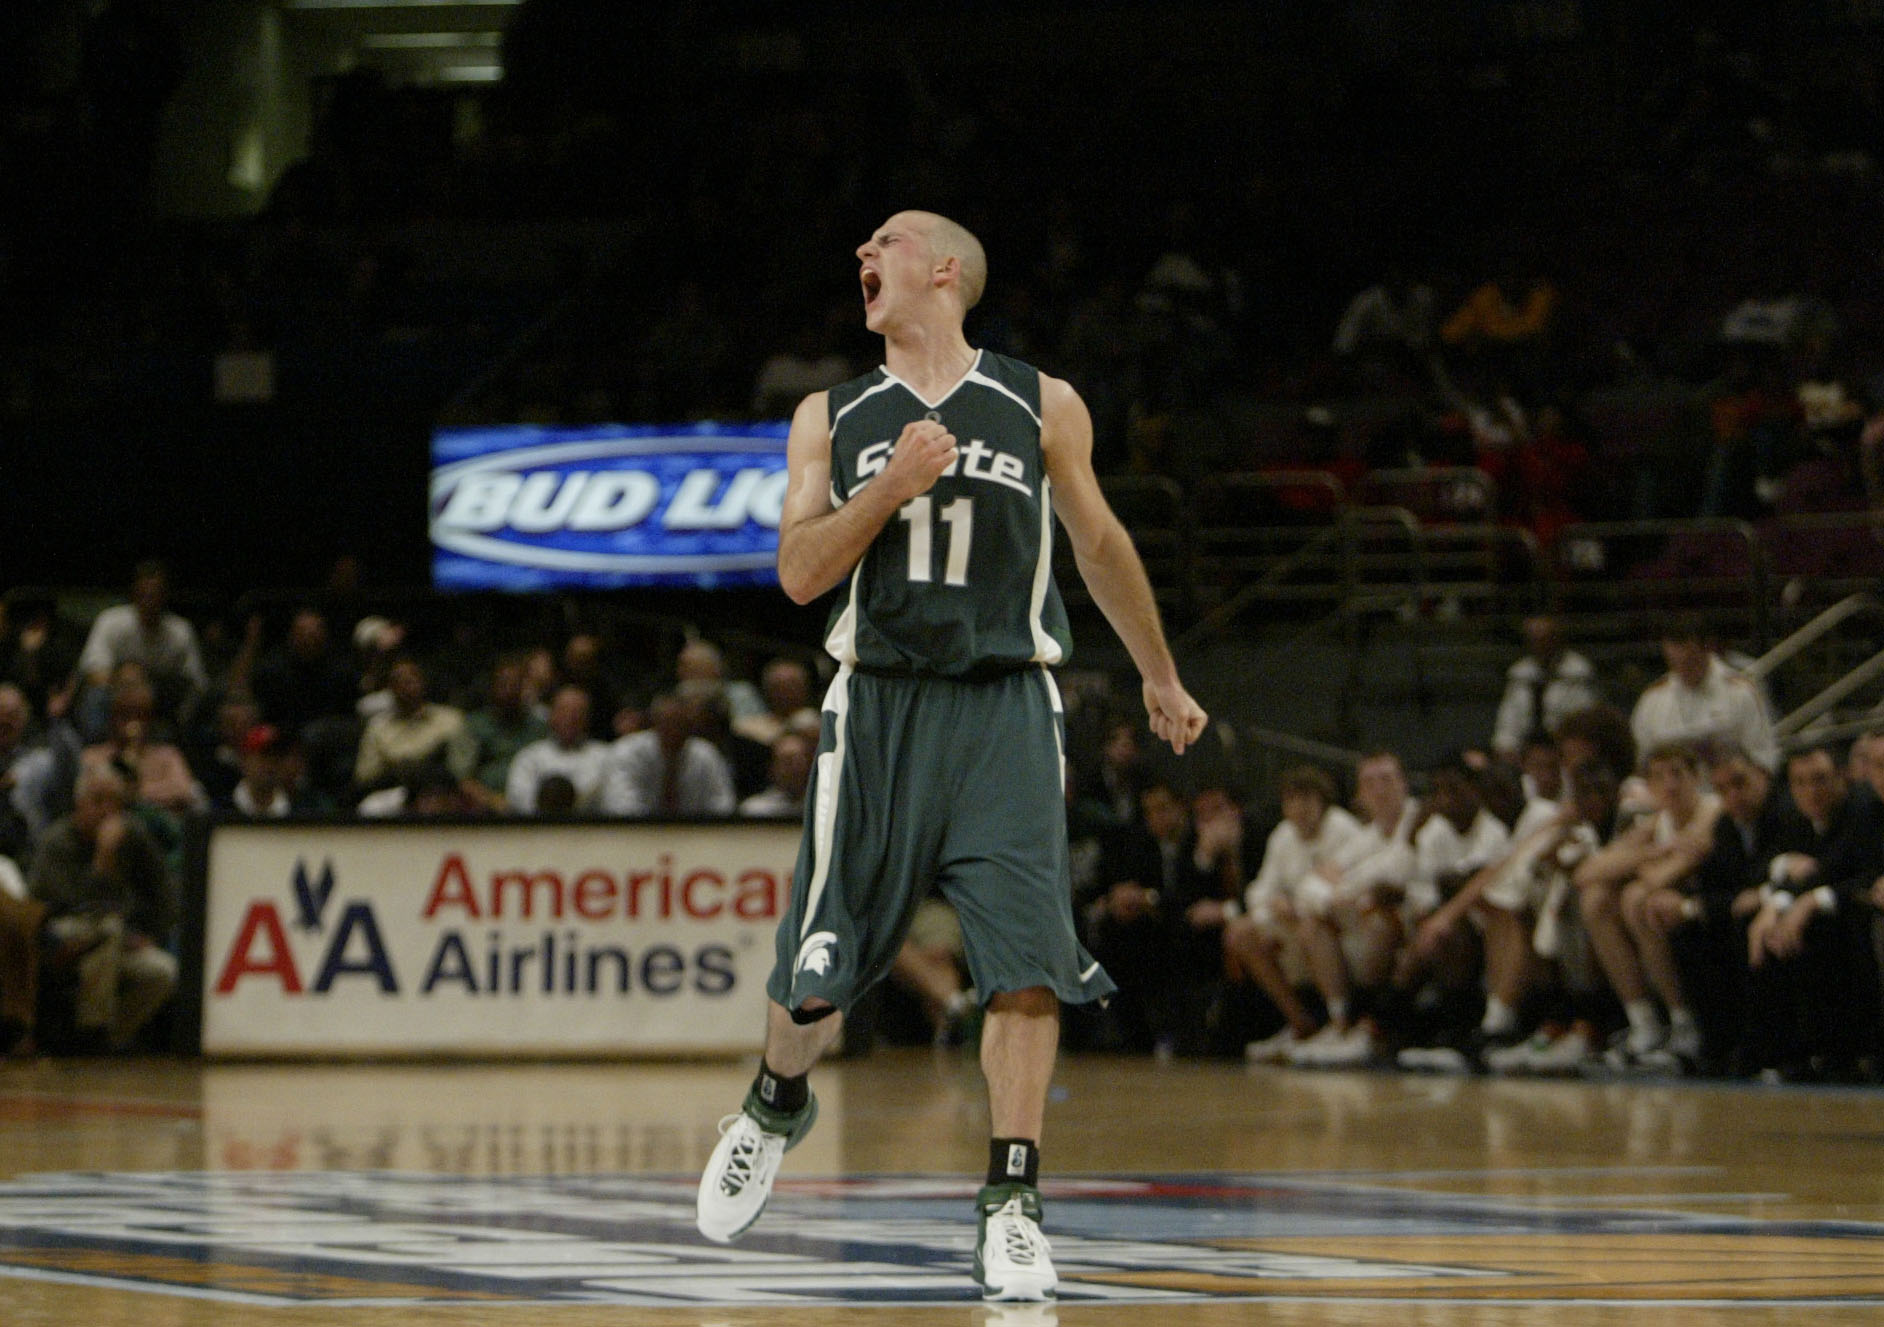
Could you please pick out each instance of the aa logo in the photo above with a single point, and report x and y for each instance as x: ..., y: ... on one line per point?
x: 349, y: 945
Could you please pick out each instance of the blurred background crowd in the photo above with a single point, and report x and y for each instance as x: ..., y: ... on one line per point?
x: 1608, y: 262
x: 1594, y: 882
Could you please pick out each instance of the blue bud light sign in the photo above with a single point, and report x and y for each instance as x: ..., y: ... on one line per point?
x: 520, y: 508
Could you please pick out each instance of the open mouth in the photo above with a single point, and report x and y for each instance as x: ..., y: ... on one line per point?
x: 872, y: 287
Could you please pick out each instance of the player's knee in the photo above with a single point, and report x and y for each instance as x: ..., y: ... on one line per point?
x: 1033, y: 1001
x: 812, y: 1011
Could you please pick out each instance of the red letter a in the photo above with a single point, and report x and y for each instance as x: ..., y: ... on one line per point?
x: 262, y: 920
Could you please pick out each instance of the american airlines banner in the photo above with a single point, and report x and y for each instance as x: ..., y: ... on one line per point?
x: 520, y: 508
x: 487, y: 939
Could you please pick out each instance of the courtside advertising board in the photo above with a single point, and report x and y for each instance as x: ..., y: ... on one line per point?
x: 471, y: 939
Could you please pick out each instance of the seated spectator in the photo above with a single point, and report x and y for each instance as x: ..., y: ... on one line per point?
x: 784, y: 796
x: 556, y: 796
x: 431, y: 790
x: 1702, y: 700
x: 378, y: 645
x: 1121, y: 770
x: 21, y: 918
x: 1285, y: 910
x: 1706, y: 924
x: 110, y: 903
x: 540, y: 680
x: 1541, y: 768
x: 585, y: 664
x: 1814, y: 975
x: 702, y: 664
x: 39, y: 649
x: 785, y: 685
x: 1599, y: 735
x: 1198, y: 905
x: 1614, y: 888
x: 748, y: 761
x: 568, y: 753
x: 1867, y: 761
x: 1362, y: 933
x: 154, y: 770
x: 160, y: 642
x: 306, y: 679
x: 268, y: 788
x: 216, y: 759
x: 1148, y: 879
x: 28, y: 772
x: 412, y: 732
x: 1529, y: 894
x: 500, y: 729
x: 1548, y: 684
x: 667, y: 769
x: 1458, y: 836
x: 1518, y: 900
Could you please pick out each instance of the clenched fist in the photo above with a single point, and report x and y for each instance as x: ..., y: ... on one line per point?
x: 923, y: 454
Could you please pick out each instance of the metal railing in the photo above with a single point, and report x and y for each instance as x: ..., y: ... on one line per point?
x: 1811, y: 633
x: 1800, y: 721
x: 1433, y: 493
x: 1707, y: 563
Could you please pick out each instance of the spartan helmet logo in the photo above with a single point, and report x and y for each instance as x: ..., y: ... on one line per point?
x: 816, y: 952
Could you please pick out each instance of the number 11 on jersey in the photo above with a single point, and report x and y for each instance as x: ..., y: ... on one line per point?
x: 959, y: 516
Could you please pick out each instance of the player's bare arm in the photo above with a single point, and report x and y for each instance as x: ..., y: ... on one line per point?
x: 1109, y: 564
x: 1618, y: 860
x: 819, y: 544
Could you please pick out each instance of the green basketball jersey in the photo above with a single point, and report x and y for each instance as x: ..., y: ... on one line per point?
x: 960, y: 581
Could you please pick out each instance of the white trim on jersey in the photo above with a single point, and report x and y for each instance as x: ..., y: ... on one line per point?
x: 824, y: 809
x: 973, y: 372
x: 840, y: 642
x: 1046, y: 649
x: 889, y: 380
x: 975, y: 375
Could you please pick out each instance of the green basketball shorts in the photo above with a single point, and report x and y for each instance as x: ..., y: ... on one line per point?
x: 925, y: 780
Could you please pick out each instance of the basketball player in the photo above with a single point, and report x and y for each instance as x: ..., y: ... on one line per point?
x: 927, y: 490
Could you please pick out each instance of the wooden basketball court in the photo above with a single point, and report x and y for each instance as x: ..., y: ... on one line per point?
x: 157, y: 1193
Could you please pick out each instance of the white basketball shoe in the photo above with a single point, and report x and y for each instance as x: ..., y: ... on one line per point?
x: 1012, y: 1258
x: 738, y: 1177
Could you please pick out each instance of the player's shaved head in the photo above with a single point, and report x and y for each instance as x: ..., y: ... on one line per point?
x: 950, y: 239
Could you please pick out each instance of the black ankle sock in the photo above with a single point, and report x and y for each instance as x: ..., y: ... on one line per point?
x: 786, y: 1095
x: 1012, y: 1160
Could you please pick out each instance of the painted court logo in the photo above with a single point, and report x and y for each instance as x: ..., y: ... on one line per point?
x: 402, y: 1239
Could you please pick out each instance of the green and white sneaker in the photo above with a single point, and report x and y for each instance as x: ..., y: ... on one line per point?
x: 739, y: 1174
x: 1012, y: 1258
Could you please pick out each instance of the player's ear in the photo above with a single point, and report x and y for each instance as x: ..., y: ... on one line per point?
x: 948, y: 271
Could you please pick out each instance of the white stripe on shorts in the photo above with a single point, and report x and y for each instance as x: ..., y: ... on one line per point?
x: 1059, y: 743
x: 824, y: 812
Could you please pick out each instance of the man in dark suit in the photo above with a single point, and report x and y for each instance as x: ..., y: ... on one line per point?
x: 1813, y: 975
x: 1145, y: 920
x: 1706, y: 922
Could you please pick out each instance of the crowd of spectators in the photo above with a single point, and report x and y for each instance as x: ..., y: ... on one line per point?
x: 1666, y: 310
x: 1586, y: 889
x: 1580, y: 888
